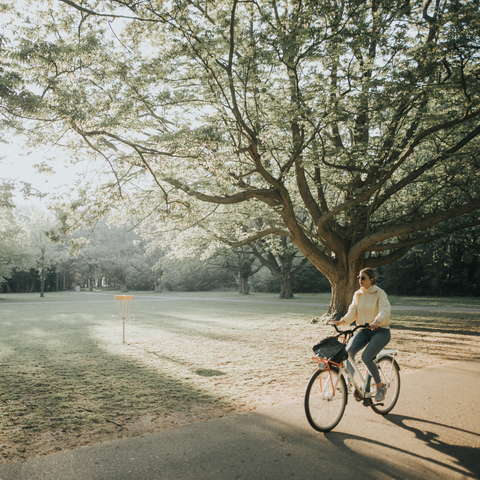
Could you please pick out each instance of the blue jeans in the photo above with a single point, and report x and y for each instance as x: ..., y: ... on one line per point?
x: 376, y: 340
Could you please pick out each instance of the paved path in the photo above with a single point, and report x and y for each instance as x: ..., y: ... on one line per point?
x: 433, y: 432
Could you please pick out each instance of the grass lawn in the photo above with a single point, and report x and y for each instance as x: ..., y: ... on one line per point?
x: 67, y: 379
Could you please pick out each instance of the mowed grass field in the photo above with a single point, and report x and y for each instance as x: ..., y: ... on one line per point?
x: 67, y: 379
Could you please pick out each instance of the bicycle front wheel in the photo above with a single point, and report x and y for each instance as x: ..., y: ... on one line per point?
x: 390, y: 376
x: 325, y: 399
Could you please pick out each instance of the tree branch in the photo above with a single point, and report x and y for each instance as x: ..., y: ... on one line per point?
x: 429, y: 220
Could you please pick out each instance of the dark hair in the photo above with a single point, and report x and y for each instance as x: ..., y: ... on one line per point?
x: 371, y: 274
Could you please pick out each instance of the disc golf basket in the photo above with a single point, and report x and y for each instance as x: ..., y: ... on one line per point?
x: 124, y: 306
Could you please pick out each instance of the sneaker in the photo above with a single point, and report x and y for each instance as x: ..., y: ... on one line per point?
x: 350, y: 388
x: 380, y: 395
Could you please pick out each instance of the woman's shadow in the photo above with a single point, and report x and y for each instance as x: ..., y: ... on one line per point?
x: 465, y: 458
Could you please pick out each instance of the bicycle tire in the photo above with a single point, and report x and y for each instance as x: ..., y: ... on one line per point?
x: 325, y: 399
x: 390, y: 375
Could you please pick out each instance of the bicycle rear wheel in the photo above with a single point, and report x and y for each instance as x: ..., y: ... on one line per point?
x: 390, y: 375
x: 325, y: 399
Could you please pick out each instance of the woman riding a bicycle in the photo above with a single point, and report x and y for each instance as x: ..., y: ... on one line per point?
x: 370, y: 305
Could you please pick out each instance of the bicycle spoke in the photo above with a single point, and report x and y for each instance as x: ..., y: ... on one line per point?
x: 325, y: 399
x: 390, y: 376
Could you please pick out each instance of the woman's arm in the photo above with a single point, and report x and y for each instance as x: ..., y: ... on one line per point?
x: 351, y: 314
x: 384, y: 309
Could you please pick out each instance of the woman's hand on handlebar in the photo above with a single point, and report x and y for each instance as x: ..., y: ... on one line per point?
x: 336, y: 324
x: 374, y: 325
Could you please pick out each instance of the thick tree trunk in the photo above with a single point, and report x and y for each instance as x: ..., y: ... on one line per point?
x: 285, y: 286
x: 158, y: 286
x: 243, y: 286
x: 343, y: 288
x: 242, y: 282
x: 124, y: 287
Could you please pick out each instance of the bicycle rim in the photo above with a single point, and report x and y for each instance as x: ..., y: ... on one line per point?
x: 325, y: 399
x: 390, y: 375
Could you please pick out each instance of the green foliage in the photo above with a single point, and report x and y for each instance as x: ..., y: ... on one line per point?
x: 307, y: 280
x: 13, y: 236
x: 112, y: 253
x: 265, y: 282
x: 446, y: 267
x: 310, y: 280
x: 192, y: 276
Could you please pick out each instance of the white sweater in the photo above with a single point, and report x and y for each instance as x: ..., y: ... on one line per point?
x: 369, y: 305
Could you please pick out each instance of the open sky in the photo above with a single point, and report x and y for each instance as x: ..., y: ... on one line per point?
x: 17, y: 162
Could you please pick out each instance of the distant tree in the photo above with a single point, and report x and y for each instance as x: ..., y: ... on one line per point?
x: 87, y: 266
x: 153, y: 257
x: 111, y: 251
x: 310, y: 280
x: 194, y: 275
x: 280, y: 256
x: 7, y: 231
x: 13, y: 236
x: 241, y: 263
x: 44, y: 250
x: 216, y: 242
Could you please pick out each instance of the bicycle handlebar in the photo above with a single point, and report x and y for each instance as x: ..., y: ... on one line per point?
x: 351, y: 331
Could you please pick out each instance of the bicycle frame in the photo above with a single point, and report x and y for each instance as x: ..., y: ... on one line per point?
x: 325, y: 388
x: 364, y: 388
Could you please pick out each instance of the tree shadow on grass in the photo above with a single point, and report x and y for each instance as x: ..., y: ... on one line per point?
x: 204, y: 372
x: 434, y: 329
x: 195, y: 328
x: 466, y: 324
x: 56, y: 376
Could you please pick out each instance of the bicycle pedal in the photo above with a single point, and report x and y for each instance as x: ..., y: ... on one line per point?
x: 368, y: 402
x: 358, y: 397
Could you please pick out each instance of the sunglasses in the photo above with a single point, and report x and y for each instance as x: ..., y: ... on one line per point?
x: 362, y: 277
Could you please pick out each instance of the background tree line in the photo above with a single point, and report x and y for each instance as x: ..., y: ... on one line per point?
x: 35, y: 257
x: 37, y: 254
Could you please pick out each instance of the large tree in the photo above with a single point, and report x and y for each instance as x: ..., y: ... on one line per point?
x: 364, y: 115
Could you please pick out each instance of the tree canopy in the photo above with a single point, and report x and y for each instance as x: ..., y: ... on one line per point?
x: 355, y: 123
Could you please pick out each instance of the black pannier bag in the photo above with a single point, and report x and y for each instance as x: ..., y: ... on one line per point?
x: 331, y: 349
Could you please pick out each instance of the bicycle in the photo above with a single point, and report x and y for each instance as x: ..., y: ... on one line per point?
x: 327, y: 392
